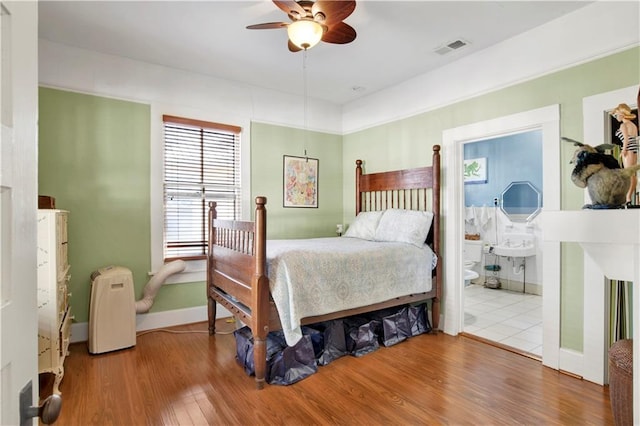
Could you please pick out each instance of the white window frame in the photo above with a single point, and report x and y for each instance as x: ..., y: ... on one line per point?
x: 196, y: 152
x: 196, y: 269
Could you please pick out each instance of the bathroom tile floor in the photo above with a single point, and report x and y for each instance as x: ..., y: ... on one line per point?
x: 510, y: 318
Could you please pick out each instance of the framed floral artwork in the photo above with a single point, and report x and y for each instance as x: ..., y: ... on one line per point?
x: 300, y: 182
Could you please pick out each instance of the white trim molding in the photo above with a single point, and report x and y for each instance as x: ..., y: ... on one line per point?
x: 548, y: 120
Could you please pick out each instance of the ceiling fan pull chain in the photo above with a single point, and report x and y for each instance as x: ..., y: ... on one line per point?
x: 306, y: 102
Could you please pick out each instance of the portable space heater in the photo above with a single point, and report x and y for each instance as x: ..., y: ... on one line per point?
x: 112, y: 312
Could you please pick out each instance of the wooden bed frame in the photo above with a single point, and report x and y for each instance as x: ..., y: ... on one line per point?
x: 236, y: 261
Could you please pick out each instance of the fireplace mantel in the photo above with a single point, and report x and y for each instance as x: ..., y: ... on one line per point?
x: 611, y: 243
x: 608, y: 236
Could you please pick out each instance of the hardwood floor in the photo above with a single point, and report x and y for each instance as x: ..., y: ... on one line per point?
x: 193, y: 379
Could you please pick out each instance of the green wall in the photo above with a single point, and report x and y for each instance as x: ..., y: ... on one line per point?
x: 94, y: 157
x: 408, y: 143
x: 269, y: 144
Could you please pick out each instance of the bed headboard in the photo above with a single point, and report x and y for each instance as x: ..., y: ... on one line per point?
x: 411, y: 189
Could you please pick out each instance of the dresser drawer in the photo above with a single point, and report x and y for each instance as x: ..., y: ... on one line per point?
x: 62, y: 226
x: 65, y: 334
x: 63, y: 297
x: 62, y: 246
x: 62, y: 264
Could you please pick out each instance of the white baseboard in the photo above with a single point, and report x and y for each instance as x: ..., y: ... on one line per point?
x: 80, y: 330
x: 571, y: 361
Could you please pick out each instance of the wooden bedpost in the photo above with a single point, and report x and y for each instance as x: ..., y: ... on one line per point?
x: 211, y: 304
x: 260, y: 294
x: 358, y: 196
x: 435, y: 307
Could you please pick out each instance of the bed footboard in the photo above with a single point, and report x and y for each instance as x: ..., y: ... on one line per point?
x: 236, y: 276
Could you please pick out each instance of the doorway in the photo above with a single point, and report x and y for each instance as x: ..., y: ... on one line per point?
x: 503, y: 303
x: 546, y: 119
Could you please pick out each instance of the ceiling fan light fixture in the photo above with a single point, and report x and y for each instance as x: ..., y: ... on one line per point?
x: 305, y: 33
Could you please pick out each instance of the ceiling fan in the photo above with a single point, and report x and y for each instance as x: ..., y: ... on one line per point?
x: 313, y: 21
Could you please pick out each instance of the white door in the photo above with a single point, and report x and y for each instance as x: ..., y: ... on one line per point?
x: 18, y: 205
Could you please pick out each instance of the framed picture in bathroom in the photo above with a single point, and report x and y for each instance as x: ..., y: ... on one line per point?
x: 475, y: 170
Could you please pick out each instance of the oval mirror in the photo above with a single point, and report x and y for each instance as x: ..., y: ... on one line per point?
x: 520, y: 201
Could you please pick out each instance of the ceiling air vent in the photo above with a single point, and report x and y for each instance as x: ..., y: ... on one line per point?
x: 451, y: 46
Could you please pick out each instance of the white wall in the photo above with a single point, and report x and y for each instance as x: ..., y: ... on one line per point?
x: 90, y: 72
x: 593, y: 31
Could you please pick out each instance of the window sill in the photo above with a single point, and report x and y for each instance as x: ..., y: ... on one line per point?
x: 196, y: 271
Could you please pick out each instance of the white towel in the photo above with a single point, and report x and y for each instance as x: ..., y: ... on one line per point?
x: 483, y: 217
x: 470, y: 215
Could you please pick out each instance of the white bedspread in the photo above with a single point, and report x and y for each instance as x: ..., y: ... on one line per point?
x: 322, y: 275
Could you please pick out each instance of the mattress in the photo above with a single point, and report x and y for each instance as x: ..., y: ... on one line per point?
x: 317, y: 276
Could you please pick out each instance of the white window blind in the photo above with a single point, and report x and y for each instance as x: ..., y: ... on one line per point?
x: 201, y: 164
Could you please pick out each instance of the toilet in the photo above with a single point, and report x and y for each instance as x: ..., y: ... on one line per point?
x: 472, y: 256
x: 468, y: 276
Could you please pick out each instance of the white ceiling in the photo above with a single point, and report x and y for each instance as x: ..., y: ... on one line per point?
x: 396, y: 39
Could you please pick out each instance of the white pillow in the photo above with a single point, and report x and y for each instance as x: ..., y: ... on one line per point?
x: 364, y: 225
x: 405, y: 226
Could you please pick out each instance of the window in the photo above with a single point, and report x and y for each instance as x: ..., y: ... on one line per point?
x: 201, y: 164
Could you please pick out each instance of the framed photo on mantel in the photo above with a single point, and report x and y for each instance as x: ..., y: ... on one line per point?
x: 300, y: 182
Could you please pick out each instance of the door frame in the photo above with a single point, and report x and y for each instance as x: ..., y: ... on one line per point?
x: 548, y: 120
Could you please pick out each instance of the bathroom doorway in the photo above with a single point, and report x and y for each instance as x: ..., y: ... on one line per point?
x: 547, y: 120
x: 502, y: 293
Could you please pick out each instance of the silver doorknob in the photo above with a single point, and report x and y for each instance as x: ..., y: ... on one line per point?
x: 48, y: 411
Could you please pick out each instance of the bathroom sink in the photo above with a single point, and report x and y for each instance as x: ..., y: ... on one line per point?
x: 516, y: 245
x: 515, y: 251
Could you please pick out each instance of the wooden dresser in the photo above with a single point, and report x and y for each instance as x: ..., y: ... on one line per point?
x: 54, y: 313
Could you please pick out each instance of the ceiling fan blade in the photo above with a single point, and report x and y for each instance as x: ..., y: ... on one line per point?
x: 267, y: 26
x: 339, y: 33
x: 334, y: 11
x: 291, y: 8
x: 293, y: 47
